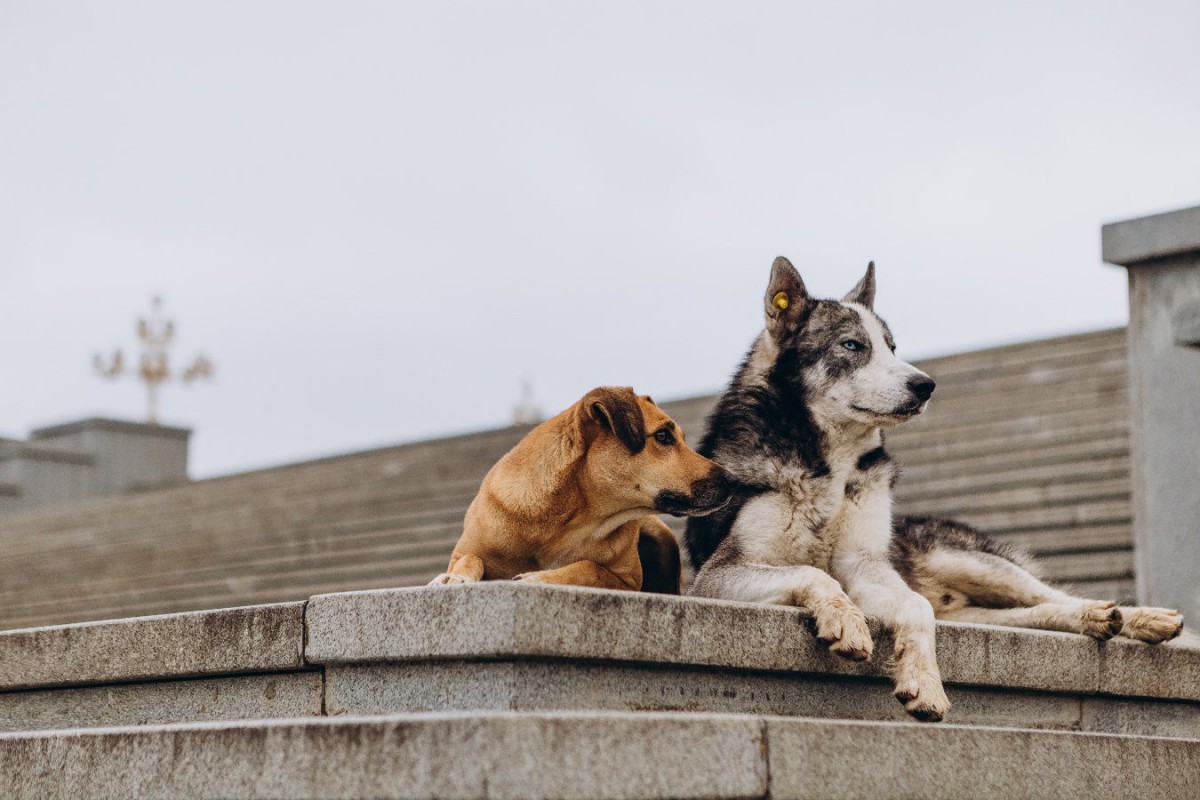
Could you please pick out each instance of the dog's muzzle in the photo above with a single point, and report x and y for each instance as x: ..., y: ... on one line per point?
x: 705, y: 496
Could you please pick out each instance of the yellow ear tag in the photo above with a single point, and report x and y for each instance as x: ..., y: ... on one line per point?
x: 780, y: 301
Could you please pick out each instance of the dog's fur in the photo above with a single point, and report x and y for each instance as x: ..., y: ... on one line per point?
x: 968, y: 577
x: 574, y: 501
x: 810, y: 523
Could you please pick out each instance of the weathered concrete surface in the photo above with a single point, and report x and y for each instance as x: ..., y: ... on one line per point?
x: 497, y: 620
x: 247, y: 639
x: 1166, y: 670
x: 592, y: 755
x: 1139, y: 240
x: 1163, y: 256
x: 855, y: 759
x: 546, y: 686
x: 495, y: 756
x: 1141, y: 717
x: 277, y: 695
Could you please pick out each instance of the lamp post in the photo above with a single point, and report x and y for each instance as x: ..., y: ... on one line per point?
x: 156, y: 333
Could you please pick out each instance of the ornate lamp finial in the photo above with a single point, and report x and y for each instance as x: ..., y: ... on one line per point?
x: 156, y: 333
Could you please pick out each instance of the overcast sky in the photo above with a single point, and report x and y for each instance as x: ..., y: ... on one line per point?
x: 376, y: 218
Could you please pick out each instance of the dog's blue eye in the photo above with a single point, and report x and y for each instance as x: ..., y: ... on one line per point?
x: 850, y: 344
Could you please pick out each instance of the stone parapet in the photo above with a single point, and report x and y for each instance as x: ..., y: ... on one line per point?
x: 488, y: 621
x: 508, y: 646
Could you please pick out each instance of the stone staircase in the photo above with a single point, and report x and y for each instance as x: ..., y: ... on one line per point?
x: 1029, y: 441
x: 513, y: 690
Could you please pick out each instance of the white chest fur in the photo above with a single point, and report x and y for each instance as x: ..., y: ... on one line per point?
x: 799, y: 524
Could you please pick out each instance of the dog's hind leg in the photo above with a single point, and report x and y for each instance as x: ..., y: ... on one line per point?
x: 1151, y: 625
x: 969, y: 577
x: 972, y: 586
x: 840, y: 624
x: 658, y: 551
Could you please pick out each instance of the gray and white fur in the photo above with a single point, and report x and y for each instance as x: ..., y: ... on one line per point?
x: 811, y: 524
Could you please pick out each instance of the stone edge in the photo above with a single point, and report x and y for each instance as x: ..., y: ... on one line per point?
x: 264, y: 638
x: 1130, y: 242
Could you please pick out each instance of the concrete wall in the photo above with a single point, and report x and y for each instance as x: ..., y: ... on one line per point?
x: 1162, y: 254
x: 129, y: 455
x: 41, y: 476
x: 88, y: 458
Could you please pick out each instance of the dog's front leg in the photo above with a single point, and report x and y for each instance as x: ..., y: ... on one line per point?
x: 840, y: 624
x: 464, y: 568
x: 879, y: 591
x: 860, y: 562
x: 583, y: 573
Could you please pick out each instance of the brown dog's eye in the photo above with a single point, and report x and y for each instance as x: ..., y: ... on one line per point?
x: 664, y: 437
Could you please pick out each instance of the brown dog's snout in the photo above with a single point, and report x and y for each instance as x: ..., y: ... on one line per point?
x: 714, y: 490
x: 704, y: 496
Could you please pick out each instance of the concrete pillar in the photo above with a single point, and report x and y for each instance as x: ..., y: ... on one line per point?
x: 1162, y: 255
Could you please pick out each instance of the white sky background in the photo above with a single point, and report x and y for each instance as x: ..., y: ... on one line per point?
x: 375, y: 218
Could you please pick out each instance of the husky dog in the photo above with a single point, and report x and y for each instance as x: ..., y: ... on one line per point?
x: 800, y: 427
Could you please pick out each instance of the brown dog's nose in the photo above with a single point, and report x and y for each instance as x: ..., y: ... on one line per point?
x: 713, y: 491
x: 704, y: 496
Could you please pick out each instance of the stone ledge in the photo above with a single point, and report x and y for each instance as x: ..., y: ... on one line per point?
x: 566, y: 686
x: 1134, y: 241
x: 592, y: 755
x: 227, y: 641
x: 230, y: 697
x: 509, y: 620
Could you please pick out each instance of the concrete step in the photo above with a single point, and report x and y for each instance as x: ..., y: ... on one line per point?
x: 115, y: 564
x: 518, y: 647
x: 1061, y: 414
x: 927, y: 474
x: 928, y: 446
x: 237, y: 588
x: 1030, y: 355
x: 591, y: 755
x: 1073, y: 489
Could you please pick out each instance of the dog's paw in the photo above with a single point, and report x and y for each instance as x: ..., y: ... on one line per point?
x: 1100, y: 620
x: 448, y: 578
x: 843, y: 628
x: 922, y: 695
x: 1152, y: 625
x: 530, y: 577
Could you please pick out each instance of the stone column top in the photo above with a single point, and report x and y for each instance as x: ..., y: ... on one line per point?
x: 1135, y: 241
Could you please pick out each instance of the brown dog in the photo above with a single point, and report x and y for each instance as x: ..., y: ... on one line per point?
x: 574, y: 501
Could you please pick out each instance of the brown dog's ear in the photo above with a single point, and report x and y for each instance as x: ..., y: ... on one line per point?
x: 617, y: 410
x: 864, y: 292
x: 786, y: 302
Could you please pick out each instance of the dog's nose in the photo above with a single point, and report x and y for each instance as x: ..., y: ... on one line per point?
x: 725, y: 482
x: 715, y: 489
x: 921, y: 386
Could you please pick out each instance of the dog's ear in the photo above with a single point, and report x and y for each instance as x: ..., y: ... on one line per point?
x: 864, y: 292
x: 617, y: 410
x: 786, y: 302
